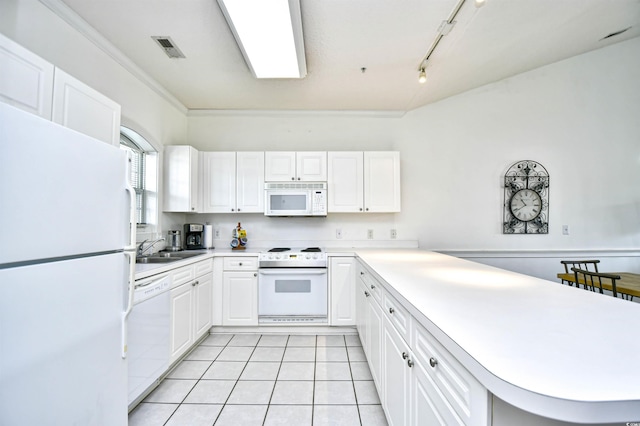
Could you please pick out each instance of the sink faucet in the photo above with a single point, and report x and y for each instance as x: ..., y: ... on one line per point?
x: 141, y: 251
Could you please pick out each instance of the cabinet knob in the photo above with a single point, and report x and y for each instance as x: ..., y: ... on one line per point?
x: 238, y: 209
x: 233, y: 210
x: 293, y: 178
x: 239, y: 263
x: 410, y: 363
x: 298, y: 178
x: 366, y: 293
x: 433, y: 362
x: 361, y: 273
x: 367, y: 209
x: 391, y: 310
x: 255, y: 274
x: 372, y: 286
x: 405, y: 355
x: 360, y: 209
x: 193, y: 208
x: 195, y: 283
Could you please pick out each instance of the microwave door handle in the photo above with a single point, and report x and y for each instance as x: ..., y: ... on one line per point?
x: 282, y: 271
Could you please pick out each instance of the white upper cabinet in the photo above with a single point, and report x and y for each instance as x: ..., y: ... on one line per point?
x: 181, y: 188
x: 381, y: 181
x: 82, y: 108
x: 218, y: 182
x: 345, y: 183
x: 250, y: 182
x: 363, y: 182
x: 233, y: 182
x: 26, y: 80
x: 287, y: 166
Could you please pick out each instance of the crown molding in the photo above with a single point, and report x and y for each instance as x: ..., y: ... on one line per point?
x: 302, y: 113
x: 90, y: 33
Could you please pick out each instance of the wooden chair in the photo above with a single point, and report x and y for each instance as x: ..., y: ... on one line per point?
x: 586, y: 265
x: 593, y: 280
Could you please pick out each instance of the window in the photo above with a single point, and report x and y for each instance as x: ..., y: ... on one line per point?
x: 142, y: 175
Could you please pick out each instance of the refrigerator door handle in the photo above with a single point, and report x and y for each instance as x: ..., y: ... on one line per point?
x: 132, y: 208
x: 131, y: 256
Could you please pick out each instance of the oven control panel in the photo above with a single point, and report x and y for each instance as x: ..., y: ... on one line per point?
x: 293, y: 259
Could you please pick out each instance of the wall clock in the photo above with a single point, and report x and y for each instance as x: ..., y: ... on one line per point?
x: 526, y: 199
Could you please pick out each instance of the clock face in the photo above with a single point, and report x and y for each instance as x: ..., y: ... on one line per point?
x: 526, y: 205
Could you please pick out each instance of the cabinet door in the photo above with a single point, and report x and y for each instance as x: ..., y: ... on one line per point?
x: 181, y: 179
x: 26, y: 80
x: 202, y: 302
x: 311, y: 166
x: 362, y: 315
x: 280, y: 166
x: 345, y: 181
x: 181, y: 320
x: 240, y: 298
x: 428, y: 405
x: 82, y: 108
x: 374, y: 325
x: 219, y: 182
x: 343, y: 291
x: 397, y: 366
x: 382, y: 181
x: 250, y: 182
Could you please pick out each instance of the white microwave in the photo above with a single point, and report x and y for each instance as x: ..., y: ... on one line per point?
x: 295, y: 199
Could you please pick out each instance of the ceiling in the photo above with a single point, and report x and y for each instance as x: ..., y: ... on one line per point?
x: 388, y: 38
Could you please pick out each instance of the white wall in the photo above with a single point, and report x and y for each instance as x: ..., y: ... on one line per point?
x: 578, y: 117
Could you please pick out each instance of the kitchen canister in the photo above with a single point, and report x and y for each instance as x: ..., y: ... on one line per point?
x: 208, y: 236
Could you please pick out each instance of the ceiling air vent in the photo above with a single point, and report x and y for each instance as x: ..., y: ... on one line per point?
x: 168, y: 46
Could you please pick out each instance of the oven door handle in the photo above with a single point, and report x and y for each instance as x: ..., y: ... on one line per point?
x: 292, y: 271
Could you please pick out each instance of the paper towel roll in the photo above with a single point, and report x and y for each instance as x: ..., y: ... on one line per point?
x: 208, y: 236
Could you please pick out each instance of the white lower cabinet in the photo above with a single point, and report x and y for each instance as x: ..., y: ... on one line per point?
x: 396, y: 388
x: 191, y: 305
x: 342, y: 279
x: 370, y: 322
x: 419, y: 382
x: 240, y: 291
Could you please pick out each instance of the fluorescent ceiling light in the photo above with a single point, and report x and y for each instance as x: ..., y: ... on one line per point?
x: 269, y: 34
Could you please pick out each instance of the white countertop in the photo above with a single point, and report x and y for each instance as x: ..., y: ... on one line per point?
x: 544, y: 347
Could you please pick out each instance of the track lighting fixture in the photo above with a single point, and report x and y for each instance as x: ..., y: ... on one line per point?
x: 423, y: 76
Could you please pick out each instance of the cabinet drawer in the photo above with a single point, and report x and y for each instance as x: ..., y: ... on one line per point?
x: 460, y: 389
x: 372, y: 284
x: 240, y: 263
x: 182, y: 275
x: 203, y: 267
x: 398, y: 315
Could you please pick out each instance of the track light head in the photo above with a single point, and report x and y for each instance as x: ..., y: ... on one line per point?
x: 423, y: 76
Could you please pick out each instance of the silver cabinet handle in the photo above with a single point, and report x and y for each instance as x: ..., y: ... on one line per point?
x: 410, y: 363
x: 405, y: 355
x: 366, y: 293
x: 391, y: 310
x: 433, y: 362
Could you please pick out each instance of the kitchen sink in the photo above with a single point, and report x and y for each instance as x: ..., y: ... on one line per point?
x: 166, y: 257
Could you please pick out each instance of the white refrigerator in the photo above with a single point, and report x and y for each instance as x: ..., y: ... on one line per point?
x: 67, y: 258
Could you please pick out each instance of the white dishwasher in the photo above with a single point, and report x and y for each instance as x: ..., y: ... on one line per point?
x: 148, y: 334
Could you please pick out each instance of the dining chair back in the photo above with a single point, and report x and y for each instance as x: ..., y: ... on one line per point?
x: 593, y: 280
x: 586, y: 265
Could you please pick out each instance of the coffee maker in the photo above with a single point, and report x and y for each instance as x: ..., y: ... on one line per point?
x: 193, y: 236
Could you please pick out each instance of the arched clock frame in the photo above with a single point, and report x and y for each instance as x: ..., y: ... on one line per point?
x: 526, y: 199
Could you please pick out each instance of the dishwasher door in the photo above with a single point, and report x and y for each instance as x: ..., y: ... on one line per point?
x: 149, y: 335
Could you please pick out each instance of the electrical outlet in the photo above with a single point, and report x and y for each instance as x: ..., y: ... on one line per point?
x: 394, y: 234
x: 370, y: 234
x: 565, y: 229
x: 217, y: 233
x: 338, y: 233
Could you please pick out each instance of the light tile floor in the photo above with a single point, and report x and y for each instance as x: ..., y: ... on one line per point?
x: 265, y: 380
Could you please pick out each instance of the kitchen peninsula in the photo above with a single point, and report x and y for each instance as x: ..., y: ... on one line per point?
x: 519, y: 339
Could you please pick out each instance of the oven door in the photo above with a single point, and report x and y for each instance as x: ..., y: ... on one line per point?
x: 292, y: 295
